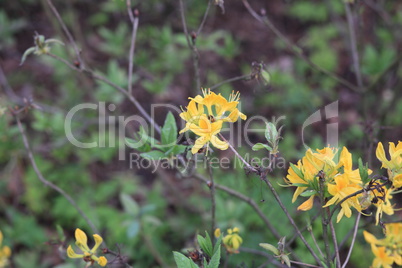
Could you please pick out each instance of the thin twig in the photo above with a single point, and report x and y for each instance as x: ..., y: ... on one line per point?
x: 334, y: 240
x: 110, y: 83
x: 50, y: 184
x: 353, y: 44
x: 241, y: 77
x: 245, y: 199
x: 305, y: 264
x: 134, y: 21
x: 310, y: 230
x: 324, y: 222
x: 248, y: 166
x: 353, y: 240
x: 191, y: 45
x: 204, y: 19
x: 213, y: 202
x: 296, y: 49
x: 292, y: 222
x: 67, y: 32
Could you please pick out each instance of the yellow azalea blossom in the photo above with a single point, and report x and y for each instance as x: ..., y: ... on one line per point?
x: 5, y: 253
x: 89, y: 255
x: 232, y: 240
x: 341, y: 189
x: 384, y: 206
x: 382, y: 259
x: 193, y: 113
x: 220, y: 108
x: 394, y: 165
x: 305, y: 174
x: 387, y: 250
x: 207, y: 131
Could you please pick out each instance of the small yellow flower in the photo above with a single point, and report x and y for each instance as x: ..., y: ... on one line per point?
x: 387, y: 250
x: 220, y: 108
x: 304, y: 175
x: 394, y: 165
x: 384, y: 205
x: 341, y: 189
x: 5, y: 253
x: 232, y: 240
x: 217, y: 232
x: 207, y: 131
x: 89, y: 255
x: 382, y: 259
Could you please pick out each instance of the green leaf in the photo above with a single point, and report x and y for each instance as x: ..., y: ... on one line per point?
x: 266, y: 77
x: 169, y: 131
x: 363, y: 171
x: 300, y: 184
x: 259, y: 146
x: 129, y: 204
x: 308, y: 193
x: 215, y: 260
x: 297, y: 171
x: 270, y: 247
x: 286, y: 260
x: 26, y: 54
x: 183, y: 261
x: 144, y: 136
x: 218, y: 244
x: 270, y: 132
x: 205, y: 244
x: 139, y: 146
x: 153, y: 155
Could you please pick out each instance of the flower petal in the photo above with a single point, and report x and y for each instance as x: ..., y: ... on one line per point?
x: 216, y: 142
x: 307, y: 205
x: 80, y: 236
x: 72, y: 254
x: 102, y: 261
x: 98, y: 242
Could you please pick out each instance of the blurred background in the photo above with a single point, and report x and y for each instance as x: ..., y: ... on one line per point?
x: 151, y: 214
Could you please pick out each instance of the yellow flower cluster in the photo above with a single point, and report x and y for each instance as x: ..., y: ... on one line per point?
x: 232, y: 240
x: 89, y: 255
x: 205, y: 115
x: 5, y: 253
x: 394, y: 165
x: 388, y: 250
x: 339, y: 180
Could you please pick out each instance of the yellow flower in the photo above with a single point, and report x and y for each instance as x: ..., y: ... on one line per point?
x: 193, y: 113
x: 217, y: 232
x: 87, y: 254
x: 5, y: 253
x: 207, y: 131
x: 341, y: 189
x: 232, y: 240
x: 384, y: 205
x: 394, y: 165
x: 382, y: 259
x: 305, y: 175
x: 220, y: 108
x: 389, y: 249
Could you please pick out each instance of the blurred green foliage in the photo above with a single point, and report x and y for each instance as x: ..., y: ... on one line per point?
x: 151, y: 215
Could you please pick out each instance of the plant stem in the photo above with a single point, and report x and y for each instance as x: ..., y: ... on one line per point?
x: 324, y: 221
x: 248, y: 166
x: 277, y: 198
x: 110, y: 83
x: 296, y: 49
x: 67, y: 32
x: 241, y: 77
x: 134, y: 21
x: 353, y: 44
x: 50, y: 184
x: 334, y: 240
x: 213, y: 202
x: 353, y: 240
